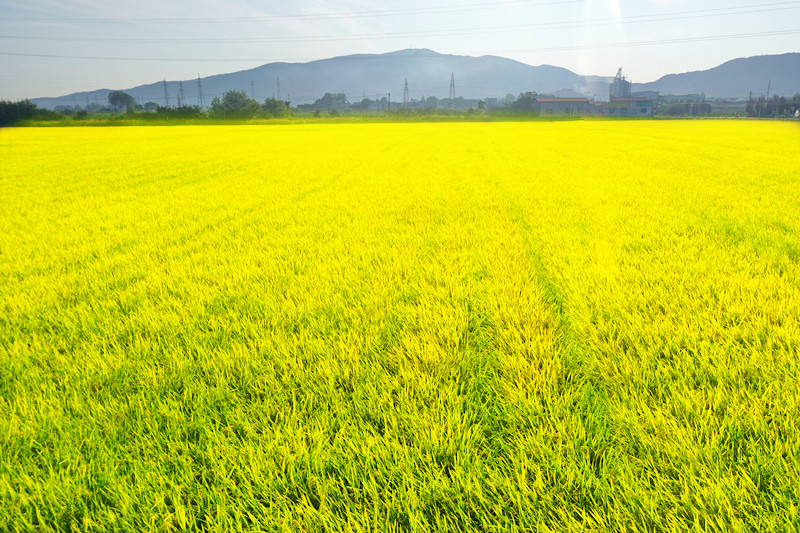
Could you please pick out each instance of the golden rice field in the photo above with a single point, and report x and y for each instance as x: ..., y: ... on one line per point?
x: 570, y: 326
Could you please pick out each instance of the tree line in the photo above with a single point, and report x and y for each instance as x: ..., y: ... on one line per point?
x: 13, y: 112
x: 237, y: 105
x: 777, y: 106
x: 233, y: 105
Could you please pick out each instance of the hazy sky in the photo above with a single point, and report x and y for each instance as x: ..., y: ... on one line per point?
x: 56, y: 47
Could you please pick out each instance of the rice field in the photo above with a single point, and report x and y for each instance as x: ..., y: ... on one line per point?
x: 569, y: 326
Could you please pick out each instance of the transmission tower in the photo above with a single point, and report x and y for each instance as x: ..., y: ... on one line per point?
x: 278, y: 82
x: 166, y: 94
x: 452, y: 87
x: 181, y: 96
x: 405, y: 94
x: 252, y: 89
x: 199, y: 92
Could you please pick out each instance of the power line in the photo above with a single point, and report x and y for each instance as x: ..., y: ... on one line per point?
x: 379, y: 56
x: 634, y: 19
x: 655, y: 42
x: 461, y: 8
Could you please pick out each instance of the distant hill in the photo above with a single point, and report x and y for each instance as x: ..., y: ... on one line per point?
x: 373, y: 76
x: 428, y: 74
x: 735, y: 79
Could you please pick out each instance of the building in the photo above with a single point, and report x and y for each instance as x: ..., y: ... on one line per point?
x: 652, y: 95
x: 623, y: 104
x: 631, y: 106
x: 565, y: 107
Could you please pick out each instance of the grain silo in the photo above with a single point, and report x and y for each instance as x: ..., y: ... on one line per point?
x: 620, y: 87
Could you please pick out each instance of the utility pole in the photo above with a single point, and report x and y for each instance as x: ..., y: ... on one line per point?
x: 405, y: 94
x: 199, y: 92
x: 166, y: 94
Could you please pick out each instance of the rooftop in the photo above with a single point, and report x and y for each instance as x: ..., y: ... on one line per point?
x: 631, y: 99
x: 555, y: 100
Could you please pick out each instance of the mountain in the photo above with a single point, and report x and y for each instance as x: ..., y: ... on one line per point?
x: 735, y: 78
x: 428, y: 74
x: 370, y: 75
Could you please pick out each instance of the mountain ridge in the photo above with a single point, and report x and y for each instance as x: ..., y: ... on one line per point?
x: 428, y: 74
x: 735, y: 78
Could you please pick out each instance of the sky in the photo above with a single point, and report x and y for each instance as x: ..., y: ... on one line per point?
x: 57, y: 47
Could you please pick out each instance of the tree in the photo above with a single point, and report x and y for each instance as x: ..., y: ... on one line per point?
x: 121, y: 100
x: 184, y: 111
x: 234, y: 104
x: 674, y: 108
x: 526, y: 102
x: 13, y: 112
x: 276, y: 108
x: 364, y: 105
x: 331, y: 101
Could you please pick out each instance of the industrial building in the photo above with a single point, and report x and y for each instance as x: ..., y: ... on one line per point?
x: 622, y: 103
x: 565, y: 107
